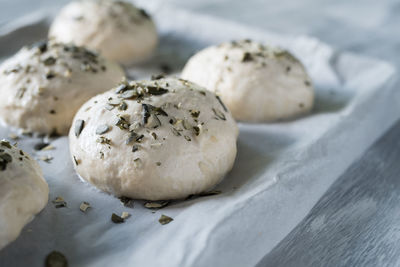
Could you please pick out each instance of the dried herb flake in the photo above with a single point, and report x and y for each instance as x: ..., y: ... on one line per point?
x: 121, y: 88
x: 5, y: 143
x: 84, y: 206
x: 127, y: 202
x: 125, y: 215
x: 40, y: 146
x: 156, y: 90
x: 117, y: 219
x: 135, y: 148
x: 247, y: 57
x: 46, y: 159
x: 5, y: 158
x: 156, y: 204
x: 49, y: 61
x: 165, y: 219
x: 59, y: 202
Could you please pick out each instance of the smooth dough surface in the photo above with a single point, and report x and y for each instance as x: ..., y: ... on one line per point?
x: 42, y: 86
x: 258, y: 83
x: 23, y: 191
x: 118, y: 30
x: 156, y: 140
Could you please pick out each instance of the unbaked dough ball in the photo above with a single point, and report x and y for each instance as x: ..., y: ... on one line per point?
x: 258, y: 83
x: 117, y: 29
x: 23, y: 191
x: 42, y: 86
x: 156, y: 140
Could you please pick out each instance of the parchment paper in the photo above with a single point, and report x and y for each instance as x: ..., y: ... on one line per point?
x: 281, y: 170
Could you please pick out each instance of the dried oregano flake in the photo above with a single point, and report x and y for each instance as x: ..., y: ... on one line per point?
x: 165, y: 219
x: 48, y: 147
x: 156, y: 204
x: 40, y: 146
x: 117, y: 219
x: 5, y: 143
x: 5, y: 158
x: 156, y: 90
x: 84, y: 206
x: 59, y: 202
x: 125, y: 215
x: 46, y: 159
x: 127, y: 201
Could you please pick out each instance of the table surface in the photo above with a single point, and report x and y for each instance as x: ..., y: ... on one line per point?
x: 371, y: 185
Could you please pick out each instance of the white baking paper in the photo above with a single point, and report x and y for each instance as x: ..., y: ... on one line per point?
x: 281, y: 170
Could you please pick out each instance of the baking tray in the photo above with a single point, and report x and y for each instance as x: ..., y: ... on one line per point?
x: 281, y: 170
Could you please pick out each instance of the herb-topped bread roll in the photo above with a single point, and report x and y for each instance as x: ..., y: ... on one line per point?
x: 258, y: 83
x: 156, y: 140
x: 42, y: 86
x: 23, y: 191
x: 117, y: 29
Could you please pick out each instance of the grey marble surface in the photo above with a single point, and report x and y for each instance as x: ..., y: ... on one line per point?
x: 343, y: 229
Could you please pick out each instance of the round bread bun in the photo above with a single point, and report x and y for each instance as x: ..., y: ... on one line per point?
x: 23, y: 191
x: 156, y: 140
x: 42, y: 86
x: 116, y: 29
x: 258, y: 83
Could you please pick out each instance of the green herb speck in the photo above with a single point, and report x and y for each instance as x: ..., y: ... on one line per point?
x: 165, y: 219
